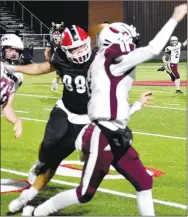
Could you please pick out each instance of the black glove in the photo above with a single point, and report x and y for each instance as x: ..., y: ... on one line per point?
x: 123, y: 138
x: 136, y: 40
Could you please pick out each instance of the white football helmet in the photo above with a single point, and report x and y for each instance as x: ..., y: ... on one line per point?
x: 117, y: 32
x: 14, y: 42
x: 173, y: 41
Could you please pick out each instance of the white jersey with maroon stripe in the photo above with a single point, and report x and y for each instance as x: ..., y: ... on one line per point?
x: 109, y: 77
x: 9, y: 83
x: 109, y: 85
x: 174, y: 53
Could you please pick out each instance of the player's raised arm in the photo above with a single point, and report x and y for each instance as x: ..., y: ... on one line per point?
x: 155, y: 46
x: 32, y: 69
x: 184, y: 43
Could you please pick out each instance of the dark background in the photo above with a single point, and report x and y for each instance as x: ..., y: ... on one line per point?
x: 70, y: 12
x: 149, y: 17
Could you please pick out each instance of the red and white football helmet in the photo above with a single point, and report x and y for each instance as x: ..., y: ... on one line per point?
x: 73, y: 38
x: 116, y: 33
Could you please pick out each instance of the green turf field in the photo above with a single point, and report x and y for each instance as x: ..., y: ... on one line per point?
x: 159, y: 137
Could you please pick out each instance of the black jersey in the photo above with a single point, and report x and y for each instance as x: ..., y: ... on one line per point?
x: 75, y: 97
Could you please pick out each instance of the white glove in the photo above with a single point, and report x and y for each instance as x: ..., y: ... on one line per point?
x: 133, y: 31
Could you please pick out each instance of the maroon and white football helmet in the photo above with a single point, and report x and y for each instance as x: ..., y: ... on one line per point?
x: 74, y: 38
x: 116, y: 33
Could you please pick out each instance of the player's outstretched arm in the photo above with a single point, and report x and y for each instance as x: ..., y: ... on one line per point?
x: 155, y: 46
x: 145, y: 99
x: 9, y: 113
x: 32, y: 69
x: 184, y: 43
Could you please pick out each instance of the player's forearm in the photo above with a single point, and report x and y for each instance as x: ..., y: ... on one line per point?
x: 10, y: 114
x: 184, y: 43
x: 160, y: 40
x: 31, y: 69
x: 154, y: 48
x: 136, y: 106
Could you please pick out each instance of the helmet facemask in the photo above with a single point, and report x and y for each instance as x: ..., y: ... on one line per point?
x: 173, y: 41
x: 80, y: 53
x: 12, y: 49
x: 12, y: 55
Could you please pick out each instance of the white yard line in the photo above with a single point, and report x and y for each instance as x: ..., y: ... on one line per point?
x: 141, y: 133
x: 164, y: 107
x: 166, y: 203
x: 39, y: 96
x: 21, y: 111
x: 160, y: 135
x: 53, y: 97
x: 170, y: 104
x: 154, y: 91
x: 156, y: 66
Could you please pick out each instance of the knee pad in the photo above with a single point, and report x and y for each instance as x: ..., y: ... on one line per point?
x: 89, y: 194
x: 173, y: 78
x: 145, y: 183
x: 177, y: 77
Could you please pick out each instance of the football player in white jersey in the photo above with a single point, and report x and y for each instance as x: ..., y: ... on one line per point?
x: 12, y: 48
x: 107, y: 140
x: 171, y: 59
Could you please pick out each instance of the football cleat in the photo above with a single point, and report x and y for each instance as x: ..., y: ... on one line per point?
x: 19, y: 203
x: 161, y: 69
x: 28, y: 211
x: 179, y: 92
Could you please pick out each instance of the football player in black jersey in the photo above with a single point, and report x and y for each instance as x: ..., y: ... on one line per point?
x: 53, y: 42
x: 68, y: 116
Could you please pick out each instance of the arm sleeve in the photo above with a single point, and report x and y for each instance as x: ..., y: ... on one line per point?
x: 154, y: 47
x: 136, y: 106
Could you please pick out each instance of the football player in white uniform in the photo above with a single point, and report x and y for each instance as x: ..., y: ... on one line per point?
x: 171, y: 59
x: 107, y: 140
x: 12, y: 48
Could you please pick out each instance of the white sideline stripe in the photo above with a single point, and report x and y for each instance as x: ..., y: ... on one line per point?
x: 35, y: 95
x: 141, y: 133
x: 166, y: 203
x: 164, y: 107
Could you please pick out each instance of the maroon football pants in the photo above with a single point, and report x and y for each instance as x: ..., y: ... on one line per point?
x: 99, y: 157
